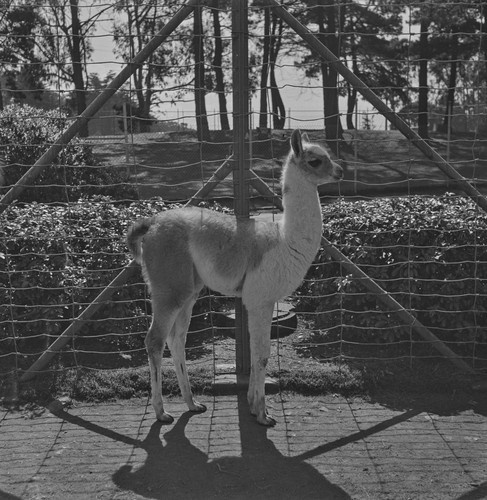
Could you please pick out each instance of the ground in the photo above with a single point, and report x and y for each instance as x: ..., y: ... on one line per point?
x: 174, y: 166
x: 400, y: 446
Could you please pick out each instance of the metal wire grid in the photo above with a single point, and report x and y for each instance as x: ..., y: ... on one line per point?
x: 169, y: 161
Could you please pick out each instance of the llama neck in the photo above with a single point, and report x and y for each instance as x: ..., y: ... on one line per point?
x: 302, y: 220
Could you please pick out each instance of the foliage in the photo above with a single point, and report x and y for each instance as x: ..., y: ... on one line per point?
x: 377, y: 40
x: 22, y: 70
x: 429, y: 253
x: 26, y: 133
x: 54, y: 260
x: 362, y: 35
x: 163, y: 61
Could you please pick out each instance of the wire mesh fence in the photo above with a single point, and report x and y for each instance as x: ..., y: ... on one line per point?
x: 168, y: 129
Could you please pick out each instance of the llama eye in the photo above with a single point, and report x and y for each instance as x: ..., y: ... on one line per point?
x: 314, y: 163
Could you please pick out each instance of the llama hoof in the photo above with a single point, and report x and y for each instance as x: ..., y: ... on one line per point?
x: 165, y: 418
x: 267, y: 421
x: 198, y: 408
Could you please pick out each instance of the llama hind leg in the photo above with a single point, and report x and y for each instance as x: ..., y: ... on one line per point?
x: 162, y: 323
x: 260, y: 320
x: 177, y: 342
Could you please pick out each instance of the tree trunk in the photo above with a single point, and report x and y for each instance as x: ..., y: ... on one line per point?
x: 351, y: 90
x: 134, y: 23
x: 202, y: 128
x: 77, y: 65
x: 483, y: 38
x: 218, y: 69
x: 145, y: 115
x: 264, y: 75
x: 138, y: 23
x: 450, y: 96
x: 333, y: 126
x: 423, y: 79
x: 278, y: 109
x: 351, y: 101
x: 482, y: 120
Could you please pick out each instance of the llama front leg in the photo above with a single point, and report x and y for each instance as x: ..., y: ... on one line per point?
x: 260, y: 320
x: 177, y: 343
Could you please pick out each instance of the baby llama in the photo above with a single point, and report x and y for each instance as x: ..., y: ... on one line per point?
x: 184, y: 249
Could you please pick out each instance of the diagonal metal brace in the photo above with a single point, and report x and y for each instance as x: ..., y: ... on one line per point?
x: 50, y: 155
x: 382, y: 295
x: 367, y: 93
x: 105, y: 295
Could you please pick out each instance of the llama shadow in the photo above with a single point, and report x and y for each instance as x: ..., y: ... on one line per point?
x: 478, y: 493
x: 179, y: 470
x: 8, y: 496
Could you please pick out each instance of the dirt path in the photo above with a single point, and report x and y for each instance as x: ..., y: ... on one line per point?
x: 327, y: 447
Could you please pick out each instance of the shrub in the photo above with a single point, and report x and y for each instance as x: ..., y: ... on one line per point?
x: 54, y: 260
x: 26, y: 133
x: 430, y: 253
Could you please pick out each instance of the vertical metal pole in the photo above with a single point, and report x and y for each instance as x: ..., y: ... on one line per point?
x: 241, y: 178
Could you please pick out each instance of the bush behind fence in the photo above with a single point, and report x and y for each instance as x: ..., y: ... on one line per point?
x: 429, y: 252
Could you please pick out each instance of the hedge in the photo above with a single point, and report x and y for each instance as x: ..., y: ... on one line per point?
x: 429, y: 252
x: 27, y: 132
x: 54, y: 260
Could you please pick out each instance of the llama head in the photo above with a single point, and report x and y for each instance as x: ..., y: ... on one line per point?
x: 313, y: 160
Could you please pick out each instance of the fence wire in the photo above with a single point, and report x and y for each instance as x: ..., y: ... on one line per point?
x: 395, y: 214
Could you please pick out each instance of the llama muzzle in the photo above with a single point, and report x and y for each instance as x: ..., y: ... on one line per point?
x: 337, y: 171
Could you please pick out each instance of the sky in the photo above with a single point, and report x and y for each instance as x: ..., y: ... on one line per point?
x: 302, y: 97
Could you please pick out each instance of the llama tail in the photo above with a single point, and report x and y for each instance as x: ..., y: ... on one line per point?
x: 134, y: 237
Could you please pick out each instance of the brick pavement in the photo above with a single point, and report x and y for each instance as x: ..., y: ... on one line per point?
x: 323, y: 447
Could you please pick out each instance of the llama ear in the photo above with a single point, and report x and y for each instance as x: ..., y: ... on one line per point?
x: 296, y: 142
x: 304, y: 137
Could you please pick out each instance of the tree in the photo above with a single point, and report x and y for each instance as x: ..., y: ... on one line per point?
x: 370, y: 34
x: 75, y: 45
x: 422, y: 13
x: 142, y: 22
x: 264, y: 53
x: 170, y: 64
x: 202, y: 127
x: 455, y: 41
x: 268, y: 49
x: 275, y: 42
x: 324, y: 14
x: 264, y: 75
x: 449, y: 37
x: 217, y: 66
x: 65, y: 43
x: 423, y: 78
x: 329, y: 27
x: 21, y: 69
x: 483, y: 34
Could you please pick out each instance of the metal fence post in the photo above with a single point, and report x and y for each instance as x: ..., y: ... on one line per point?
x: 241, y: 140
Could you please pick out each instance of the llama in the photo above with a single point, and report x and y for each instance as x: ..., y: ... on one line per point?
x: 182, y: 250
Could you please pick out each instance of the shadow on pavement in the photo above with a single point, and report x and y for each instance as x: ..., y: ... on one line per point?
x: 478, y: 493
x: 178, y: 469
x: 8, y: 496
